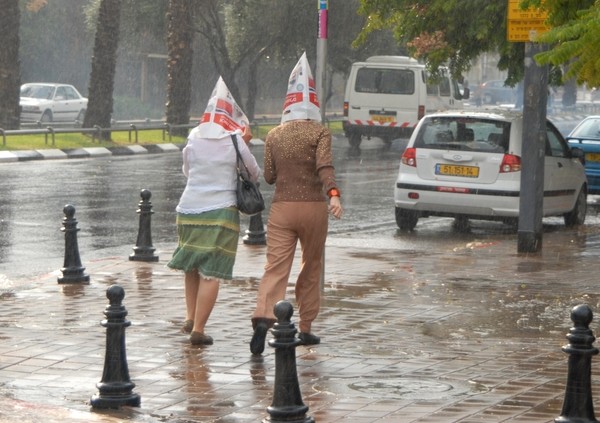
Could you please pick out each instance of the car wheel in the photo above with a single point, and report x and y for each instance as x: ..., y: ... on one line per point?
x: 577, y: 215
x: 354, y: 140
x: 387, y: 141
x: 406, y: 219
x: 461, y: 224
x: 47, y: 116
x: 81, y: 116
x: 487, y: 98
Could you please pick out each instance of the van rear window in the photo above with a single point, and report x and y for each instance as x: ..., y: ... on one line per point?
x: 385, y: 81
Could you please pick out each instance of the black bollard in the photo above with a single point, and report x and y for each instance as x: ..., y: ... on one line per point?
x: 578, y: 406
x: 287, y: 405
x: 255, y: 235
x: 72, y: 270
x: 143, y: 250
x: 115, y: 387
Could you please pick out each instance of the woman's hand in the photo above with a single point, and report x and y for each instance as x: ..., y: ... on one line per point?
x: 335, y: 207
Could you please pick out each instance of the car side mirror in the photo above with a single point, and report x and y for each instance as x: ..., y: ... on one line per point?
x: 466, y: 93
x: 60, y: 98
x: 578, y: 153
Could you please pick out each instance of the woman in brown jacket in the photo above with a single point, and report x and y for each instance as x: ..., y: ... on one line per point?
x: 298, y: 161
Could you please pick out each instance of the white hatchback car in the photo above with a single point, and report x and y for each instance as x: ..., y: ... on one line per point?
x: 47, y: 102
x: 467, y: 165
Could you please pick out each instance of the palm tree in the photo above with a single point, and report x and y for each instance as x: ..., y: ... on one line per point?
x: 104, y: 61
x: 10, y: 79
x: 180, y: 35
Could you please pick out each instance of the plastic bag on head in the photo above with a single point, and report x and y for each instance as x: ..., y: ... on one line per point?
x: 222, y: 116
x: 301, y: 101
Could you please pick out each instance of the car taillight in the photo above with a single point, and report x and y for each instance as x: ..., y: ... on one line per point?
x: 345, y: 108
x: 409, y: 157
x: 510, y: 163
x: 420, y: 112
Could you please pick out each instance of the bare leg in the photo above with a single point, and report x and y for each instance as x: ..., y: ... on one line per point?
x: 192, y: 283
x: 205, y: 301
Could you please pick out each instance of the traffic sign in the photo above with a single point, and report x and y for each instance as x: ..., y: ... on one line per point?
x: 524, y: 25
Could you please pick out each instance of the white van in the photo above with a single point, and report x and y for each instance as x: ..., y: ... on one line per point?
x: 386, y: 96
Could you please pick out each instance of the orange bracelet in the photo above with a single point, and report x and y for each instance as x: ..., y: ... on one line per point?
x: 333, y: 192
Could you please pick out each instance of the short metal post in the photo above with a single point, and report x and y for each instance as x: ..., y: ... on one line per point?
x: 143, y: 250
x: 72, y: 270
x: 115, y: 387
x: 287, y: 405
x: 578, y: 406
x: 255, y: 235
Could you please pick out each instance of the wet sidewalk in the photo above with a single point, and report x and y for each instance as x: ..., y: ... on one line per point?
x: 467, y: 335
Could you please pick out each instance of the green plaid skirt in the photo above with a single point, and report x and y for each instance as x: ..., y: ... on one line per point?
x: 207, y: 242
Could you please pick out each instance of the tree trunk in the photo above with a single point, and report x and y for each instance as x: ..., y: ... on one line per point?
x: 569, y: 97
x: 104, y: 62
x: 179, y: 67
x: 10, y: 79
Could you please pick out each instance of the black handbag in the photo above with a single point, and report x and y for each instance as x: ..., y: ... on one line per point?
x: 249, y: 199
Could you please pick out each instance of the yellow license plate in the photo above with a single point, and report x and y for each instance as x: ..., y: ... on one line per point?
x: 592, y: 157
x: 456, y: 170
x: 383, y: 119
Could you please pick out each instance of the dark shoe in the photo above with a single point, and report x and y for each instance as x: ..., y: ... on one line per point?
x: 308, y: 339
x: 187, y: 327
x: 197, y: 338
x: 257, y: 344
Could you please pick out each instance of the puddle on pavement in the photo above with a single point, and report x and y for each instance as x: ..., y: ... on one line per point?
x: 399, y: 388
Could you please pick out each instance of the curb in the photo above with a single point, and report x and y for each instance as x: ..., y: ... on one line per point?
x: 82, y: 153
x: 92, y: 152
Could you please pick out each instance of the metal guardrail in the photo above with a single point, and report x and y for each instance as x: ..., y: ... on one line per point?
x: 96, y: 131
x: 133, y: 127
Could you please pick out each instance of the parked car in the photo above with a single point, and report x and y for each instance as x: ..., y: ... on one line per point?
x: 49, y: 102
x: 467, y: 165
x: 586, y: 135
x: 494, y: 92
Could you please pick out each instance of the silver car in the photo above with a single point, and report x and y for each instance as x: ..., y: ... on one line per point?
x: 467, y: 165
x: 47, y: 102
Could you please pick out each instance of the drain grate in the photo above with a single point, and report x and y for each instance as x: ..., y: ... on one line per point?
x: 400, y: 388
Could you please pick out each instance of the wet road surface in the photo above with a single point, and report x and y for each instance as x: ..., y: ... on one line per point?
x: 427, y: 326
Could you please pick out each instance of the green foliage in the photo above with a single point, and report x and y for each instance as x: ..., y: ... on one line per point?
x: 575, y: 42
x: 452, y: 32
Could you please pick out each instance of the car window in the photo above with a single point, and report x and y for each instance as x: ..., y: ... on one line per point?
x: 464, y: 133
x: 44, y: 92
x: 70, y: 93
x: 61, y: 93
x: 589, y: 128
x: 385, y: 81
x: 555, y: 145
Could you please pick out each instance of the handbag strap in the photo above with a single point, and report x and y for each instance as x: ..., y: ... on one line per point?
x: 239, y: 156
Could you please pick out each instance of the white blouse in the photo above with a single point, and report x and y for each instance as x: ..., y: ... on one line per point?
x: 210, y: 168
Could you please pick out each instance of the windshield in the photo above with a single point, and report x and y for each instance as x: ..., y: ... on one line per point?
x: 589, y: 128
x: 464, y: 133
x: 37, y: 91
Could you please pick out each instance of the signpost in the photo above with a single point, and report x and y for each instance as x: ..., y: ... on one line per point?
x: 526, y: 26
x: 322, y: 55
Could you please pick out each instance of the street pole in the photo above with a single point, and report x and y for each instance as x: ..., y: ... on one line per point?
x: 322, y: 55
x: 533, y: 151
x: 321, y: 81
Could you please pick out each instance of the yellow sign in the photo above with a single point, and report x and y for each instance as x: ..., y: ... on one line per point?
x: 524, y: 25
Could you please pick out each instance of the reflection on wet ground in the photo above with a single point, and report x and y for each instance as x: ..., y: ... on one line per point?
x: 432, y: 325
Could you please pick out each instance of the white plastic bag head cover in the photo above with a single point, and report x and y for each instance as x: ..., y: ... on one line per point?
x: 301, y: 101
x: 222, y: 116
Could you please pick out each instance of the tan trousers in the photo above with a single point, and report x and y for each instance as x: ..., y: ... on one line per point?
x: 290, y: 222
